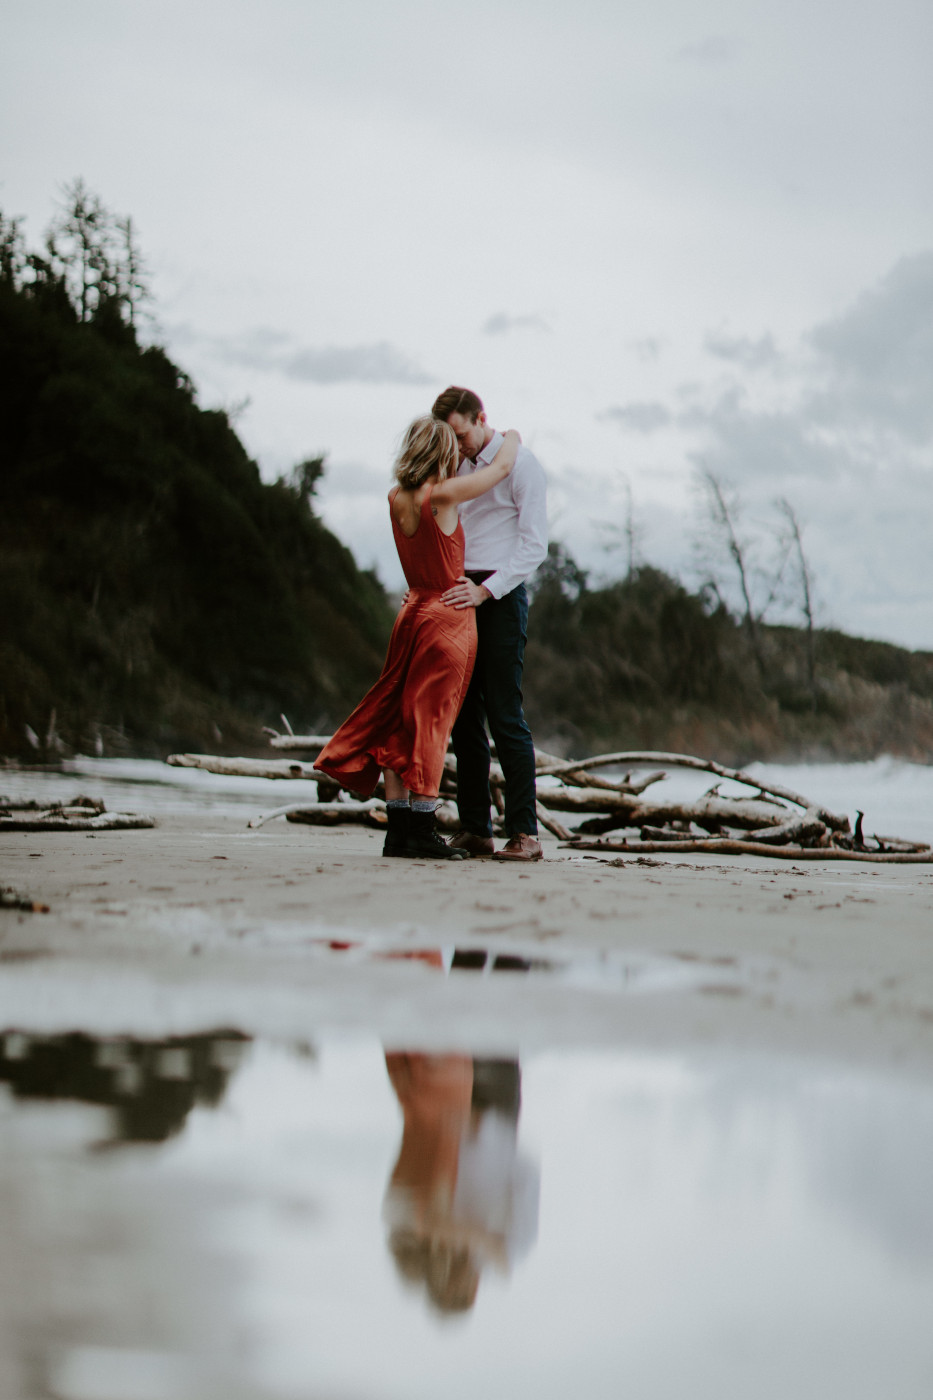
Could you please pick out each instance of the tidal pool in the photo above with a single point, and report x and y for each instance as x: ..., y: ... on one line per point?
x: 213, y: 1216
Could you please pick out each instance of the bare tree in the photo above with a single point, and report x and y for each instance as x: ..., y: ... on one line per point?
x: 132, y: 287
x: 627, y: 536
x: 724, y: 511
x: 795, y: 541
x: 79, y: 243
x: 96, y: 256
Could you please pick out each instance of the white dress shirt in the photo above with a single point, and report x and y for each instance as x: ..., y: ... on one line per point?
x: 506, y: 529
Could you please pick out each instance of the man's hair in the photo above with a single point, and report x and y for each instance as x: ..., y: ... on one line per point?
x: 429, y: 446
x: 457, y: 400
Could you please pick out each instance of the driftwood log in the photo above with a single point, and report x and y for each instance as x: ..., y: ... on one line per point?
x: 82, y: 814
x: 336, y: 814
x: 244, y: 767
x: 302, y: 743
x: 370, y: 813
x: 704, y: 765
x: 108, y: 821
x: 769, y: 819
x: 920, y: 855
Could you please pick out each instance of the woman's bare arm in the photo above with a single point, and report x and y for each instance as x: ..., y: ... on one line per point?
x: 466, y: 488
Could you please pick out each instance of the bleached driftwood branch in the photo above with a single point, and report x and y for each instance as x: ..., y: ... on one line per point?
x: 919, y: 854
x: 551, y: 824
x: 371, y: 813
x: 72, y: 819
x: 710, y: 812
x: 322, y: 813
x: 705, y: 765
x: 579, y: 776
x: 799, y: 829
x: 245, y: 767
x: 303, y: 742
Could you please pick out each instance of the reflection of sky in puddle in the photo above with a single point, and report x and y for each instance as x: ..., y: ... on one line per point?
x: 705, y: 1227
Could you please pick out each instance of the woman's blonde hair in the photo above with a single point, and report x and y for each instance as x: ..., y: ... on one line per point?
x: 429, y: 448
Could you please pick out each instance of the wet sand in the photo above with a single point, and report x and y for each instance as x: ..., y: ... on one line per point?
x: 722, y: 1142
x: 292, y: 929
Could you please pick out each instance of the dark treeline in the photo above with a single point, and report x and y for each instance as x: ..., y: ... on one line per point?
x: 156, y: 594
x: 645, y: 664
x: 152, y: 589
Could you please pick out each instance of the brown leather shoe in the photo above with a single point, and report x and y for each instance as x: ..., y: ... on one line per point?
x: 476, y: 846
x: 520, y: 847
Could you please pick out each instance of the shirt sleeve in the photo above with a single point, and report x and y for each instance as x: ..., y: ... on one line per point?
x: 529, y: 493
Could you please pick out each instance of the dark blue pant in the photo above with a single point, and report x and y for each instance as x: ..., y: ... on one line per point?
x: 495, y: 694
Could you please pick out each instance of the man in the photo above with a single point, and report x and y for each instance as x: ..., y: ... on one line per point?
x: 506, y: 540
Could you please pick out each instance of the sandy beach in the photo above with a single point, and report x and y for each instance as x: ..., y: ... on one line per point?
x: 201, y: 922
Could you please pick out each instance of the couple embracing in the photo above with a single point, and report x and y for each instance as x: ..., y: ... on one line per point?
x: 468, y: 515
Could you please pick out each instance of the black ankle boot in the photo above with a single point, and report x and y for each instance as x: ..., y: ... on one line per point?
x: 396, y: 841
x: 425, y: 841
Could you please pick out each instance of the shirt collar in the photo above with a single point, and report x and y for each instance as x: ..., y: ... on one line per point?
x: 490, y: 450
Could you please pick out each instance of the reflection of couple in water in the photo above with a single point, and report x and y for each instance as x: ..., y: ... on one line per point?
x: 460, y: 1196
x: 469, y: 519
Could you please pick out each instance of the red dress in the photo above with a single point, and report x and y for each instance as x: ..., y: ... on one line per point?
x: 404, y: 722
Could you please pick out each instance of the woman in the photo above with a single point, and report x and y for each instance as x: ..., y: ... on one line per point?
x: 402, y: 726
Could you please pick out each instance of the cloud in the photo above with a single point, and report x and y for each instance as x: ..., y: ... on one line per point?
x: 763, y: 450
x: 890, y: 326
x: 849, y: 443
x: 844, y: 432
x: 264, y: 348
x: 711, y: 52
x: 648, y: 348
x: 639, y: 417
x: 855, y: 402
x: 363, y: 364
x: 877, y: 356
x: 503, y: 324
x: 742, y: 350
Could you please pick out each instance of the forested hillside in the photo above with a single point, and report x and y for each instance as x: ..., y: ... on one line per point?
x: 154, y: 592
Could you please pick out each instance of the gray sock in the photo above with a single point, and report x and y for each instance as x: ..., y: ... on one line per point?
x: 424, y: 805
x: 397, y: 804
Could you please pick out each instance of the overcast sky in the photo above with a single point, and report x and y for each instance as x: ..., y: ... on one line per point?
x: 653, y: 238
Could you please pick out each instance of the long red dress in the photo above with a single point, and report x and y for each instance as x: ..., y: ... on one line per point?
x: 404, y: 722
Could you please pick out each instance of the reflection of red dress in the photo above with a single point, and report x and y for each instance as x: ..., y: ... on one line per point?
x: 404, y: 722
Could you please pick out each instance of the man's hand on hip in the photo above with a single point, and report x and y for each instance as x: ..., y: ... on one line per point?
x: 465, y: 594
